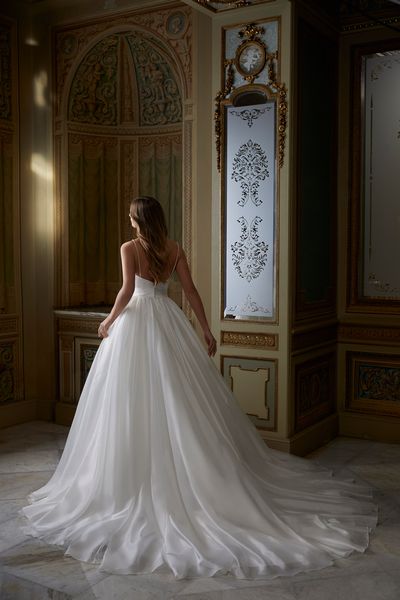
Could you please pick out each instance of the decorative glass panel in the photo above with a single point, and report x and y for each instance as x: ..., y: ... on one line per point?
x: 250, y: 189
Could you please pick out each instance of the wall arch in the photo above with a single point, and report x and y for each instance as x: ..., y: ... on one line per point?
x: 102, y: 144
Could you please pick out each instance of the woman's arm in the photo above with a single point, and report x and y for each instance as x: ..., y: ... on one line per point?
x: 126, y: 291
x: 195, y: 301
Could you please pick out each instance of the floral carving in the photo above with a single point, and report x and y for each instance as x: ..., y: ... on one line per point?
x: 249, y: 256
x: 93, y: 97
x: 159, y: 97
x: 250, y: 167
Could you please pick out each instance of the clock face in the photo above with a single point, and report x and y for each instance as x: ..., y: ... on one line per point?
x: 251, y: 58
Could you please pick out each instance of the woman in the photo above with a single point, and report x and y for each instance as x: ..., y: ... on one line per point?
x: 161, y: 466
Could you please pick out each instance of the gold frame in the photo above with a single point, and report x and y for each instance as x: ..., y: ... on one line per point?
x: 252, y: 32
x: 251, y: 73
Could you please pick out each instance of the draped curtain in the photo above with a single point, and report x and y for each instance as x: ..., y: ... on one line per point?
x: 160, y: 175
x: 93, y: 220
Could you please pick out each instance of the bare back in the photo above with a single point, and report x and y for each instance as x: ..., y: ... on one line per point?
x: 172, y: 253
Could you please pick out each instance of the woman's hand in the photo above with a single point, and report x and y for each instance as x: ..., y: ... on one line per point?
x: 211, y: 342
x: 102, y: 331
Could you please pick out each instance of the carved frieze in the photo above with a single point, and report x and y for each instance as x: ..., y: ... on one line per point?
x: 89, y: 326
x: 250, y: 340
x: 368, y: 334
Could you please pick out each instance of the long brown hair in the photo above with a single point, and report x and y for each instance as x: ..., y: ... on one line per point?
x: 152, y: 232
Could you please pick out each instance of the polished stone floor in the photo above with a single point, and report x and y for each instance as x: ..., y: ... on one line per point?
x: 31, y: 570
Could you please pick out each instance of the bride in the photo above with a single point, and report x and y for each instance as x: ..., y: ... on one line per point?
x: 162, y: 467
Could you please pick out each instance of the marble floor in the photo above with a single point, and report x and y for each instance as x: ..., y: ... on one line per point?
x: 31, y: 570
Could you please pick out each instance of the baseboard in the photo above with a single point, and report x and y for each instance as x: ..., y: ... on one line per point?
x: 370, y: 427
x: 315, y: 436
x: 18, y: 412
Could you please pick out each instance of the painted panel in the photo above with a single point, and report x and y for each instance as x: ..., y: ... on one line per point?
x: 373, y: 383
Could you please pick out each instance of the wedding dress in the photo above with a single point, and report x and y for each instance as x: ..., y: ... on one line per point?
x: 162, y: 467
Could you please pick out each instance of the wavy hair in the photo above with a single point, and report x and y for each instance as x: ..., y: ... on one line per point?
x: 152, y: 232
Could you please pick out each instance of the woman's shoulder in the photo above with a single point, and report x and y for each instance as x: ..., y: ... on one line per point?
x: 172, y: 246
x: 127, y: 247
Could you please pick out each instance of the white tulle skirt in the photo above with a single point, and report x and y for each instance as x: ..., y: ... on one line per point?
x: 161, y: 467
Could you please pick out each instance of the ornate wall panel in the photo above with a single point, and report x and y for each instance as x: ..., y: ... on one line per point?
x: 250, y: 340
x: 124, y: 81
x: 77, y: 347
x: 315, y: 245
x: 8, y: 169
x: 171, y: 26
x: 11, y: 374
x: 250, y: 124
x: 250, y: 212
x: 374, y: 240
x: 259, y: 376
x: 315, y: 390
x: 381, y: 176
x: 373, y: 383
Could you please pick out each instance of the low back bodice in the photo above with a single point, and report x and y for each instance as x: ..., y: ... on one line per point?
x: 145, y: 287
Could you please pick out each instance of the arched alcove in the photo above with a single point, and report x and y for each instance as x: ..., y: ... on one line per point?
x: 122, y: 130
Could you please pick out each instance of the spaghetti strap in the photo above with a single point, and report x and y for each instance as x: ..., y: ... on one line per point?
x: 138, y: 257
x: 176, y: 260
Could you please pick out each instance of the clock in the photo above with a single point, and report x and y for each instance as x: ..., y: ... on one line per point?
x: 250, y: 58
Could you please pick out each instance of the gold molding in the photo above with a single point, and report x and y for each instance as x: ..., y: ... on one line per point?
x: 251, y: 32
x: 250, y: 340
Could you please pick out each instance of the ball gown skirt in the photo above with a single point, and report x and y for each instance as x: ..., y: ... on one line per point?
x: 162, y: 467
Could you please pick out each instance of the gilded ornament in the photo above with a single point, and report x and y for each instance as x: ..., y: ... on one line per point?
x: 250, y: 60
x: 250, y: 340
